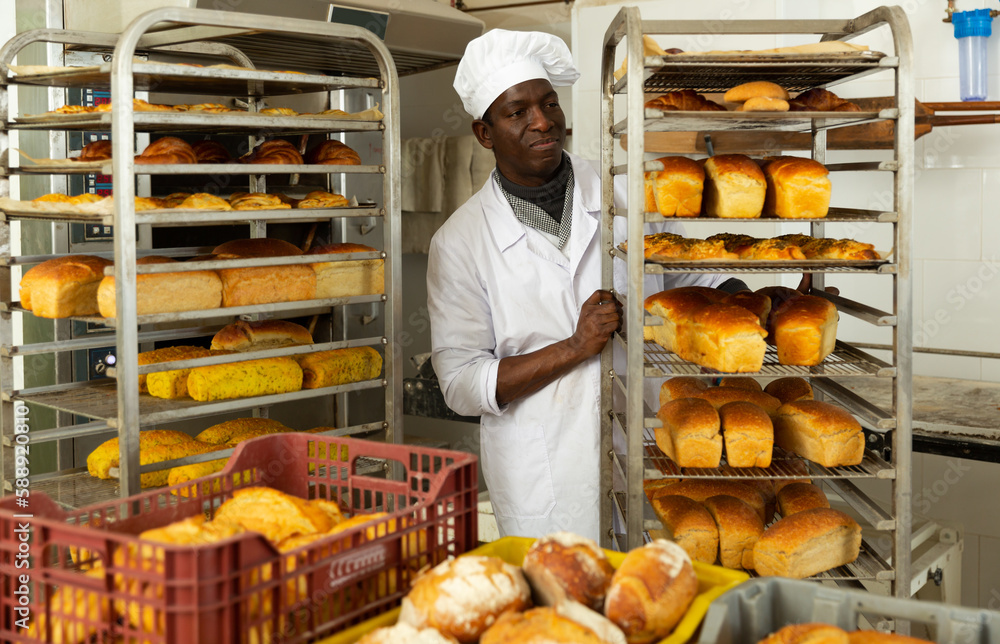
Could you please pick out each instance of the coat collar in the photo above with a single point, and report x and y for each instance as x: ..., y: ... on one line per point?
x: 506, y: 228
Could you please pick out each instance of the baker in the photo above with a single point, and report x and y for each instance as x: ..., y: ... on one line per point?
x: 518, y: 319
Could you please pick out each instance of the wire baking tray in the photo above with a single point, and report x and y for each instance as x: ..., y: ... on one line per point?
x: 222, y: 123
x: 762, y: 266
x: 685, y: 121
x: 849, y: 215
x: 56, y: 166
x: 183, y: 79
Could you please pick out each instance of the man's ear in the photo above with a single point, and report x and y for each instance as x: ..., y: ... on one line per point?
x: 482, y: 132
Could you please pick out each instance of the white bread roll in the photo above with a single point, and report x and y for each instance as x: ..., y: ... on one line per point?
x: 807, y: 543
x: 764, y: 104
x: 821, y: 432
x: 734, y: 187
x: 805, y: 330
x: 690, y: 433
x: 688, y: 524
x: 739, y: 529
x: 651, y: 591
x: 747, y: 433
x: 797, y: 188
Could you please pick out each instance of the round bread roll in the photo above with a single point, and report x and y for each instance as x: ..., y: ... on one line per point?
x: 807, y: 634
x: 465, y: 596
x: 539, y: 626
x: 563, y: 564
x: 405, y: 634
x: 651, y: 591
x: 755, y: 89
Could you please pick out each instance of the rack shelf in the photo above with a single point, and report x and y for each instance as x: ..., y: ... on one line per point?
x: 168, y: 218
x: 196, y: 122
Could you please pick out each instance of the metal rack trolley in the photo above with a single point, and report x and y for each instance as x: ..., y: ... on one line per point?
x: 631, y: 420
x: 114, y: 403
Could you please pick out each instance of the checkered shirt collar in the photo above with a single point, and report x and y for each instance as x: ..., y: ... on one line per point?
x: 531, y: 215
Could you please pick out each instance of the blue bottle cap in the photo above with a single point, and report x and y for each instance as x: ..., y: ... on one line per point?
x: 972, y: 23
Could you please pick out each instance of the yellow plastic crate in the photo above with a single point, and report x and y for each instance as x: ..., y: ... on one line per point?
x: 712, y: 582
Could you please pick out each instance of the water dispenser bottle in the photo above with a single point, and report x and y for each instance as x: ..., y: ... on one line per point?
x: 972, y: 28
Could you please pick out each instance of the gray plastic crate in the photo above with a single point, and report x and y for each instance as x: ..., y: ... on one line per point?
x: 757, y: 608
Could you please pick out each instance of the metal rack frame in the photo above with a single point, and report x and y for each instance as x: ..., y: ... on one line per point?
x: 632, y: 420
x: 115, y: 403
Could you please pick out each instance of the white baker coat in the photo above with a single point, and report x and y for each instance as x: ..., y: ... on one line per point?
x: 498, y: 288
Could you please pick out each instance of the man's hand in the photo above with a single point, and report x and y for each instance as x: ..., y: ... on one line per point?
x: 600, y: 317
x: 806, y: 283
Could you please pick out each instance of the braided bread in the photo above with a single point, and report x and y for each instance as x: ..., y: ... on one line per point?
x: 820, y: 100
x: 210, y: 152
x: 277, y: 151
x: 169, y: 149
x: 333, y: 152
x: 685, y: 100
x: 96, y: 151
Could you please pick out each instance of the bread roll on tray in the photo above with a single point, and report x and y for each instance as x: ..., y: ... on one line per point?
x: 805, y: 330
x: 463, y: 597
x: 821, y: 432
x: 563, y: 564
x: 158, y: 292
x: 734, y: 187
x: 797, y: 188
x: 747, y: 433
x: 689, y: 525
x: 689, y: 435
x: 263, y: 334
x: 789, y: 389
x: 651, y: 591
x: 347, y: 278
x: 739, y: 529
x: 264, y: 284
x: 63, y: 287
x: 807, y: 543
x: 797, y: 497
x: 701, y: 489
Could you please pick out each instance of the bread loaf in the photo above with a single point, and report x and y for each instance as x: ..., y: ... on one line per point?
x: 689, y: 525
x: 690, y: 433
x: 650, y: 486
x: 739, y: 529
x: 740, y: 382
x: 155, y: 446
x: 263, y: 334
x: 563, y: 565
x: 347, y: 278
x: 734, y: 187
x: 725, y: 337
x: 789, y: 389
x: 539, y: 626
x: 677, y: 189
x: 333, y: 152
x: 675, y: 307
x: 778, y: 296
x: 168, y: 354
x: 273, y: 513
x: 766, y: 489
x: 701, y: 489
x: 821, y: 432
x: 245, y: 379
x: 264, y: 284
x: 797, y: 497
x: 339, y: 366
x: 230, y: 432
x: 405, y: 634
x: 797, y: 188
x: 719, y: 396
x: 807, y: 543
x: 681, y: 387
x: 807, y: 634
x: 164, y: 292
x: 465, y: 596
x: 756, y: 303
x: 805, y: 330
x: 173, y: 384
x: 63, y: 287
x: 748, y: 434
x: 651, y: 591
x: 168, y: 149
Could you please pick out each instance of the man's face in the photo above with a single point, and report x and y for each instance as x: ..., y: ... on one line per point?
x: 527, y: 132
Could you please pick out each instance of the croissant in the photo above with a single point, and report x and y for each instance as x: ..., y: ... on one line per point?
x: 276, y: 151
x: 210, y: 152
x: 279, y: 111
x: 96, y: 151
x: 206, y: 107
x: 321, y: 199
x: 169, y: 149
x: 333, y: 152
x: 685, y: 100
x: 138, y: 105
x: 175, y: 199
x: 820, y: 100
x: 256, y: 201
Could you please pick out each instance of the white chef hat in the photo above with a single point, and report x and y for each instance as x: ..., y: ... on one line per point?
x: 500, y: 59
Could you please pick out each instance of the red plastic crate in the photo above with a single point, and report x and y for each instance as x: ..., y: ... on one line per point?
x: 91, y: 579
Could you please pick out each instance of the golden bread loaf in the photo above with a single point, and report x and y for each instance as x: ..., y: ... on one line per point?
x: 651, y: 591
x: 347, y: 278
x: 821, y: 432
x: 734, y: 187
x: 701, y: 489
x: 778, y: 296
x: 259, y: 335
x: 807, y: 634
x: 539, y: 626
x: 681, y: 387
x: 248, y: 286
x: 689, y: 434
x: 167, y: 354
x: 155, y: 446
x: 755, y: 89
x: 740, y: 382
x: 463, y: 597
x: 203, y: 201
x: 747, y: 433
x: 273, y: 513
x: 159, y: 292
x: 739, y: 529
x: 689, y: 525
x: 563, y: 564
x: 807, y: 543
x: 805, y: 330
x: 797, y: 497
x: 789, y: 389
x: 677, y: 188
x: 797, y: 188
x: 64, y: 286
x: 245, y: 379
x: 339, y: 366
x: 756, y: 303
x: 766, y: 489
x: 230, y: 432
x: 173, y: 383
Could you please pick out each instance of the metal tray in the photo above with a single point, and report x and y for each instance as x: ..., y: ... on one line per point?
x: 226, y: 123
